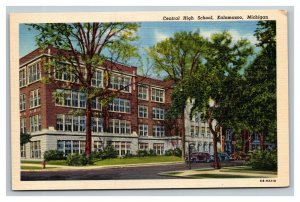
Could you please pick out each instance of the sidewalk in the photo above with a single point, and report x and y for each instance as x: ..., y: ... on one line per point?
x: 225, y: 172
x: 90, y: 167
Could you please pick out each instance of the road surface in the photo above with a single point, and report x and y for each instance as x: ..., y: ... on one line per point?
x: 115, y: 173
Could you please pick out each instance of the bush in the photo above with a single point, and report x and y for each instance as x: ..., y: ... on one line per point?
x: 54, y: 155
x: 263, y: 160
x: 142, y: 153
x: 109, y: 152
x: 78, y: 160
x: 97, y: 154
x: 152, y: 152
x: 169, y: 152
x: 177, y: 152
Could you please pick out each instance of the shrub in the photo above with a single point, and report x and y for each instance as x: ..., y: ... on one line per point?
x: 97, y: 154
x: 78, y: 160
x: 109, y: 152
x: 263, y: 160
x: 128, y: 155
x: 54, y: 155
x: 177, y: 152
x: 142, y: 153
x: 169, y: 152
x: 152, y: 152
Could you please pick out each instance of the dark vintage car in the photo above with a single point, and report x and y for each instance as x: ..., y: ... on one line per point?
x: 197, y: 157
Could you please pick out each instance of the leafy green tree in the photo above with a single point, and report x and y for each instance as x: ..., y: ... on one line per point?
x: 82, y: 47
x: 177, y: 58
x: 215, y: 85
x: 260, y: 85
x: 24, y: 138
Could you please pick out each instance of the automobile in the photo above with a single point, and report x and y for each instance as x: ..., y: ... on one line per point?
x: 242, y: 155
x: 197, y: 157
x: 221, y: 156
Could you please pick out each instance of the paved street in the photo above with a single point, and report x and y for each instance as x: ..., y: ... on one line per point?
x: 114, y: 173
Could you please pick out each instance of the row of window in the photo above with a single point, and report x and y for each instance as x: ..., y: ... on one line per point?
x: 78, y: 147
x: 195, y: 131
x: 33, y: 74
x: 158, y: 148
x: 157, y: 113
x: 77, y: 99
x: 63, y: 73
x: 157, y: 131
x: 35, y: 99
x: 77, y: 123
x: 157, y: 95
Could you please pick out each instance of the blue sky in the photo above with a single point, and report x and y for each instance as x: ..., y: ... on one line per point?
x: 152, y: 32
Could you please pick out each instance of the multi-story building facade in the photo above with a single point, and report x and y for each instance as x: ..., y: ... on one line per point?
x: 197, y: 131
x: 135, y: 118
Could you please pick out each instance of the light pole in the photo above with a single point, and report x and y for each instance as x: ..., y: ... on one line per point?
x: 191, y: 145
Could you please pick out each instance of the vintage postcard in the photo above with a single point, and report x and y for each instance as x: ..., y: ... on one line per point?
x: 149, y: 100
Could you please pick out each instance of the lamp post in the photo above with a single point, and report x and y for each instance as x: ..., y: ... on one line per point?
x: 191, y: 145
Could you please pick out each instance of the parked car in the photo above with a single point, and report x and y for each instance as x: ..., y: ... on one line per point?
x: 222, y: 157
x: 198, y: 157
x: 242, y: 156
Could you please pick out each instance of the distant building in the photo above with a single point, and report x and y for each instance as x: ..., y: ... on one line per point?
x: 197, y: 131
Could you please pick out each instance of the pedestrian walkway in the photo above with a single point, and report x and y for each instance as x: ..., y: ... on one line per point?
x: 88, y: 167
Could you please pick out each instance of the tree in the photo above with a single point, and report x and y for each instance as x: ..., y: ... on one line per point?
x: 177, y: 58
x: 215, y: 85
x: 24, y: 138
x: 260, y: 84
x: 80, y: 49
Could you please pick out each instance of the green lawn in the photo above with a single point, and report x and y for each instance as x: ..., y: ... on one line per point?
x: 226, y: 172
x: 137, y: 160
x: 34, y: 168
x: 117, y: 161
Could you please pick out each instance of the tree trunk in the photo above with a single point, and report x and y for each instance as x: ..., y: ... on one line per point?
x: 262, y: 141
x: 214, y: 132
x: 216, y: 159
x: 88, y: 126
x: 183, y: 138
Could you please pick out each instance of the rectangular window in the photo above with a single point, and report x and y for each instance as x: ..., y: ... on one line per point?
x: 119, y: 126
x: 34, y: 73
x: 119, y: 105
x: 94, y: 125
x: 143, y: 112
x: 143, y: 130
x: 192, y: 131
x: 143, y: 92
x: 68, y: 123
x: 75, y: 123
x: 157, y: 95
x: 68, y: 98
x: 35, y: 149
x: 98, y: 146
x: 118, y: 82
x: 82, y: 123
x: 22, y: 102
x: 74, y: 99
x: 143, y: 146
x: 82, y: 101
x: 35, y: 98
x: 202, y: 130
x: 158, y: 113
x: 97, y: 79
x: 158, y: 148
x: 23, y: 150
x: 64, y: 72
x: 35, y: 123
x: 96, y: 105
x: 22, y: 77
x: 23, y: 125
x: 60, y: 122
x: 122, y: 148
x: 158, y: 131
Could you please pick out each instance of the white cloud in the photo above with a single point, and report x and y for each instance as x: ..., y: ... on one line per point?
x: 159, y: 36
x: 234, y: 33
